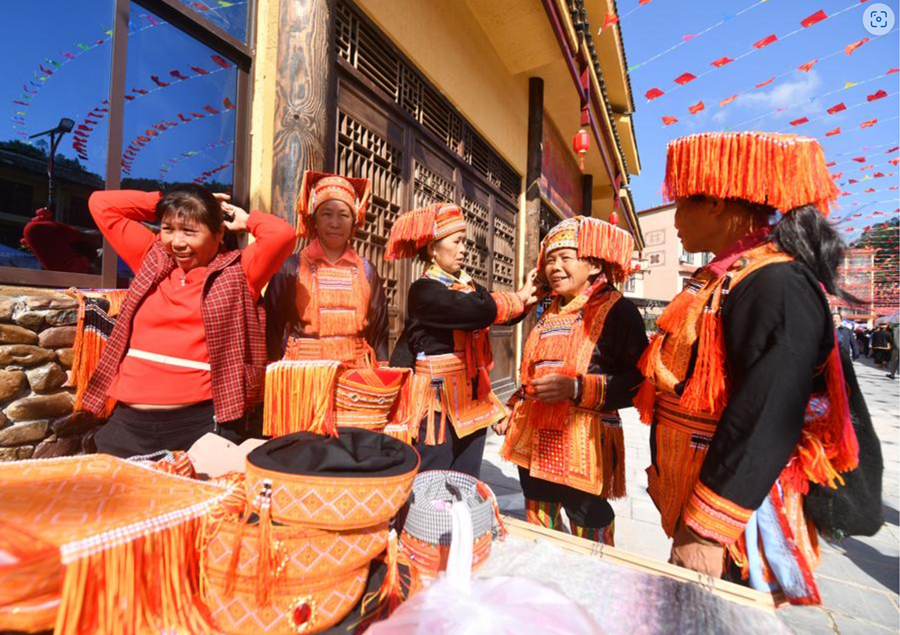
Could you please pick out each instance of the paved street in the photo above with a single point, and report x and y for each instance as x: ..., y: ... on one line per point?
x: 858, y: 580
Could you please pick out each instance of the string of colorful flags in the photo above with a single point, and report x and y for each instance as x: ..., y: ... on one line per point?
x: 181, y: 157
x: 137, y: 144
x: 723, y: 61
x: 82, y: 134
x: 50, y: 67
x: 207, y: 174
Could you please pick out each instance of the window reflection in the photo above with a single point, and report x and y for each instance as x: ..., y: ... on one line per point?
x: 56, y: 72
x: 228, y: 15
x: 179, y: 110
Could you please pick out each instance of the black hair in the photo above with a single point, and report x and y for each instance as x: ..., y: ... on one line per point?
x: 191, y: 202
x: 805, y: 234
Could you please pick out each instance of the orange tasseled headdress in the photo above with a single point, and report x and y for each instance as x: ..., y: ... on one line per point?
x: 779, y: 170
x: 318, y: 187
x: 593, y: 238
x: 413, y: 230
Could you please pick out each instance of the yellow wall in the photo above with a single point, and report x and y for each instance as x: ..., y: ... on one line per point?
x: 447, y: 44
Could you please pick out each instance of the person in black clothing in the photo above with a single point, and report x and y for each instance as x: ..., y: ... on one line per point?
x: 845, y: 338
x: 862, y: 341
x: 744, y: 384
x: 446, y: 340
x: 579, y: 368
x: 882, y: 344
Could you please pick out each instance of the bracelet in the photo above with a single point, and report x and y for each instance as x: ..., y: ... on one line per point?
x: 577, y: 394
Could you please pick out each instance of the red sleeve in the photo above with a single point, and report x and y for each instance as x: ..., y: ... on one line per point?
x: 118, y: 214
x: 275, y: 240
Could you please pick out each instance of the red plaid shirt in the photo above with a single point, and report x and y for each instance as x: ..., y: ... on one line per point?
x: 235, y: 334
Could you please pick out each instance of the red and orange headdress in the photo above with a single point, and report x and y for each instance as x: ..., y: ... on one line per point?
x: 416, y: 229
x: 592, y: 238
x: 779, y: 170
x: 318, y: 187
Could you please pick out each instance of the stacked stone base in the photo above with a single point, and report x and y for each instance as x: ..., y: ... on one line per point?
x: 37, y: 331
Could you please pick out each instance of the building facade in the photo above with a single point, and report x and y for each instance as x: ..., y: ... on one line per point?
x: 666, y: 266
x: 856, y: 275
x: 463, y: 101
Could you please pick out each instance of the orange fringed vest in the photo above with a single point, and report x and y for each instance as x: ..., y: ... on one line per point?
x: 332, y: 302
x: 693, y: 320
x: 562, y: 443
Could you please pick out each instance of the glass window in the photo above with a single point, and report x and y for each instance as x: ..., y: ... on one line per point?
x: 230, y: 16
x: 56, y: 74
x: 179, y: 110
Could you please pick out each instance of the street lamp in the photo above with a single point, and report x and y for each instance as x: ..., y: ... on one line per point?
x: 56, y: 134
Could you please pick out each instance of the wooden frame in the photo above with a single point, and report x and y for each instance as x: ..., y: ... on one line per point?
x: 721, y: 588
x: 198, y: 27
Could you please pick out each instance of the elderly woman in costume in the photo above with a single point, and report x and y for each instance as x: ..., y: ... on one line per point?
x: 328, y: 302
x: 579, y: 366
x: 744, y: 386
x: 186, y: 355
x: 447, y: 340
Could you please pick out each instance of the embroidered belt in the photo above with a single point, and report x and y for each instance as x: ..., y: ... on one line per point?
x: 441, y: 383
x: 670, y: 413
x: 166, y: 359
x: 351, y: 351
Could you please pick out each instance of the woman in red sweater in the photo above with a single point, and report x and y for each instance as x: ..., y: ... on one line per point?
x: 187, y: 354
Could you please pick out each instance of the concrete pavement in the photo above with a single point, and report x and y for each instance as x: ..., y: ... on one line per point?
x: 858, y: 579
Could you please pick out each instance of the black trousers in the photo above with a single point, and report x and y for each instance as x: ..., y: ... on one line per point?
x: 583, y: 509
x: 460, y: 455
x: 132, y: 432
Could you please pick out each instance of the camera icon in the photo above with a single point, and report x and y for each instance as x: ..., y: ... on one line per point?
x: 878, y: 19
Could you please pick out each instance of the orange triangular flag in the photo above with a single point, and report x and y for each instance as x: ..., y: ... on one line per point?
x: 868, y: 124
x: 668, y: 121
x: 728, y: 100
x: 855, y: 45
x: 696, y: 108
x: 831, y: 133
x: 808, y: 66
x: 765, y: 83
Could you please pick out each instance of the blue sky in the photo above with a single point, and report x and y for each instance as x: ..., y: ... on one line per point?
x: 654, y: 28
x: 74, y: 46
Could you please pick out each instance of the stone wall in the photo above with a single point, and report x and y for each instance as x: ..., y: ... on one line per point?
x: 37, y: 331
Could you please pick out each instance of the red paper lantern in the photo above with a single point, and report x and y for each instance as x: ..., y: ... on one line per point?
x: 581, y: 143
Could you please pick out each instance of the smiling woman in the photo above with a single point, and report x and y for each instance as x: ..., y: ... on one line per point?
x: 187, y: 355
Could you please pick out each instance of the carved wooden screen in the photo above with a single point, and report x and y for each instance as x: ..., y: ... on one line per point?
x: 393, y: 126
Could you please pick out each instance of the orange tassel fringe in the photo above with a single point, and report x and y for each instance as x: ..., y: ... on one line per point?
x: 299, y: 396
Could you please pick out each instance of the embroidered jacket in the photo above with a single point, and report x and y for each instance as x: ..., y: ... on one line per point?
x: 313, y: 299
x: 597, y: 337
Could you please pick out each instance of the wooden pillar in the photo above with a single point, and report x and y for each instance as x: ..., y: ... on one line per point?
x: 587, y: 194
x: 534, y: 161
x: 304, y: 85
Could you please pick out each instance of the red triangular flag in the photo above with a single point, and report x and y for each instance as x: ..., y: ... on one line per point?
x: 895, y: 161
x: 830, y: 164
x: 837, y: 175
x: 869, y: 190
x: 696, y: 107
x: 211, y: 110
x: 831, y: 133
x: 800, y: 122
x: 653, y: 93
x: 808, y: 66
x: 878, y: 175
x: 815, y: 18
x: 765, y: 41
x: 199, y: 70
x: 177, y: 74
x: 852, y: 181
x: 876, y: 95
x: 684, y: 78
x: 218, y: 59
x: 855, y: 45
x: 722, y: 61
x: 859, y: 159
x: 836, y: 108
x: 765, y: 83
x: 868, y: 124
x: 892, y: 71
x: 644, y: 1
x: 728, y: 100
x: 894, y: 149
x: 609, y: 20
x: 668, y: 121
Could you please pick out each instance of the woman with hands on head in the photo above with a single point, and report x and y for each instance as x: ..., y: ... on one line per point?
x: 578, y: 368
x: 187, y: 353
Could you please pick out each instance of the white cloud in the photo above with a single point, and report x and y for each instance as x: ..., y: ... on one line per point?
x: 794, y: 96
